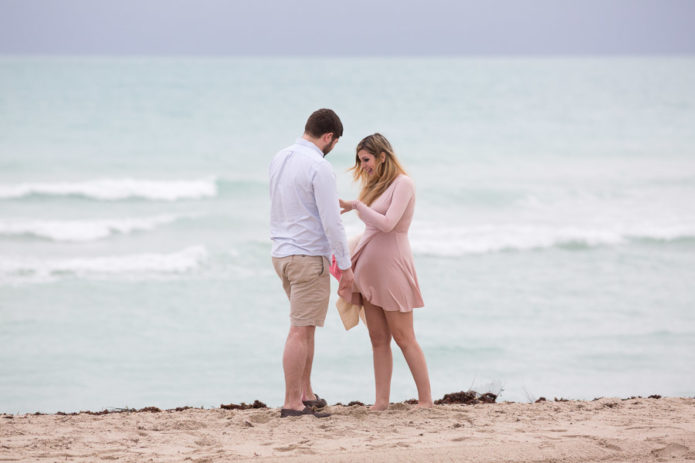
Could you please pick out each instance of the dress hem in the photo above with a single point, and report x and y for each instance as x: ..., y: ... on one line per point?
x: 362, y: 299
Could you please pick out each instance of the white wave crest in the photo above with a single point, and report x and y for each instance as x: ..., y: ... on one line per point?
x: 128, y: 266
x: 81, y: 230
x: 456, y: 241
x: 116, y: 189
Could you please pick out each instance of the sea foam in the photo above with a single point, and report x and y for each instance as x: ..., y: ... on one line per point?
x: 81, y: 230
x: 116, y: 189
x: 14, y: 269
x: 456, y: 241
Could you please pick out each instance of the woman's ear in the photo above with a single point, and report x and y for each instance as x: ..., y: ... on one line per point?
x: 382, y: 157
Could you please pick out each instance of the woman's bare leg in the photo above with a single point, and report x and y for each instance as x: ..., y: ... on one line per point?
x: 401, y: 327
x: 380, y: 336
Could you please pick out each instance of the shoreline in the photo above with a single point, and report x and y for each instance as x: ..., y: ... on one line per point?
x: 463, y: 397
x: 632, y: 429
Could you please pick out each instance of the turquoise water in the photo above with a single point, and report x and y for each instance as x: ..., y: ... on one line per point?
x: 554, y: 234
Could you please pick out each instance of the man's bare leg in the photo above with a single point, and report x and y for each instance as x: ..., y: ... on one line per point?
x: 294, y: 363
x: 307, y: 392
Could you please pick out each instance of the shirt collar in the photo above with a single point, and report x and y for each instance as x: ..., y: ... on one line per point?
x: 308, y: 144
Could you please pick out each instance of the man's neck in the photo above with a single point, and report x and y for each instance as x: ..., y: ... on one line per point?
x: 315, y: 141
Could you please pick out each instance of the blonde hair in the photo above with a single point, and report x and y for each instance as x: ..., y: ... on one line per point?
x: 386, y: 172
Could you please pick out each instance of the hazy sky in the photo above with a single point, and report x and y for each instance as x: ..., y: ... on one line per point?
x: 347, y: 27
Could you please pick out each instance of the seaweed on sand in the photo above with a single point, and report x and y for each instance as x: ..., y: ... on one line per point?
x: 467, y: 397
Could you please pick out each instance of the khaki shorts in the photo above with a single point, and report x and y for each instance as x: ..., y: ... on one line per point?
x: 306, y: 280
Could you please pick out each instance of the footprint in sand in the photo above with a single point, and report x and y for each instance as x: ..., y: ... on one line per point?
x: 607, y: 445
x: 359, y: 413
x: 184, y: 425
x: 671, y: 451
x: 286, y: 448
x: 304, y: 449
x: 260, y: 418
x: 205, y: 441
x: 398, y: 407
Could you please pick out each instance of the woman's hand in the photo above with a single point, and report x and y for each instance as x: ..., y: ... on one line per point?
x: 345, y: 206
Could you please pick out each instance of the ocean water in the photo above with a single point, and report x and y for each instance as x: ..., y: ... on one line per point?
x: 554, y: 234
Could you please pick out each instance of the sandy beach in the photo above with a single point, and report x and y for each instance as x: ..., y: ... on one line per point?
x: 608, y: 429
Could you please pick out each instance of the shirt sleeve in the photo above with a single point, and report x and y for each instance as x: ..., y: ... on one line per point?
x: 326, y: 194
x: 402, y: 195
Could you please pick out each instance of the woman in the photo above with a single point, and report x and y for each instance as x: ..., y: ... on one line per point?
x: 385, y: 280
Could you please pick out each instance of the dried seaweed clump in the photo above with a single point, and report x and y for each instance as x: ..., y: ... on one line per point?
x: 467, y: 397
x: 244, y: 406
x: 125, y: 410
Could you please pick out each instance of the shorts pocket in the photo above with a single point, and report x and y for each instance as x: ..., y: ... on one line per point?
x: 306, y: 268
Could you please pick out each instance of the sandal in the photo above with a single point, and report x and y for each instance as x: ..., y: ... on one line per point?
x: 285, y: 412
x: 318, y: 402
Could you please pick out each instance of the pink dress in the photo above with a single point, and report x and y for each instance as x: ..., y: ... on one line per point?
x: 383, y: 261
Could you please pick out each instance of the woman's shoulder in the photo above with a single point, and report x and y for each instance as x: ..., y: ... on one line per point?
x: 404, y: 180
x: 403, y: 185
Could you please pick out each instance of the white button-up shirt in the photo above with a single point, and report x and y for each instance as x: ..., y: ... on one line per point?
x: 304, y: 210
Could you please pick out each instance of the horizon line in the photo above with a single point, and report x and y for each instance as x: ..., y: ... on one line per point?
x: 5, y: 54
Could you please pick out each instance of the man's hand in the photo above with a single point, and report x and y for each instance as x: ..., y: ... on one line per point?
x: 345, y: 285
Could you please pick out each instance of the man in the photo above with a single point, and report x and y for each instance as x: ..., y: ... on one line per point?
x: 305, y: 227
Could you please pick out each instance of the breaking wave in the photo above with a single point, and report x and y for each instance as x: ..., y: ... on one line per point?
x: 116, y: 189
x: 13, y: 269
x: 451, y: 241
x: 81, y: 230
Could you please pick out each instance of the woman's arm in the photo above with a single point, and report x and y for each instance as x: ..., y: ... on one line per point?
x: 402, y: 195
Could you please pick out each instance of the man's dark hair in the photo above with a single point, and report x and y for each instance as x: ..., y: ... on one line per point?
x: 324, y: 121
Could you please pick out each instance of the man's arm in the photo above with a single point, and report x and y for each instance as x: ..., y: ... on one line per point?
x: 326, y: 195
